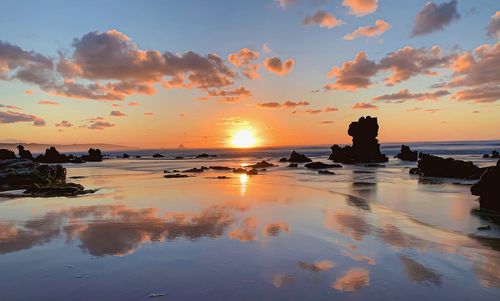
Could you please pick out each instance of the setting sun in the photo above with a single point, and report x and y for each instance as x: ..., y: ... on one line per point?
x: 243, y: 138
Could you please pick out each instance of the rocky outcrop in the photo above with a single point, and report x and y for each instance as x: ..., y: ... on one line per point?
x: 202, y: 156
x: 126, y: 156
x: 53, y: 156
x: 94, y: 155
x: 406, y: 154
x: 365, y: 147
x: 434, y: 166
x: 220, y: 168
x: 176, y: 175
x: 325, y: 172
x: 23, y: 153
x: 261, y: 164
x: 283, y: 160
x: 321, y: 165
x: 494, y: 155
x: 194, y: 169
x: 56, y: 190
x: 21, y: 174
x: 6, y: 154
x: 158, y: 156
x: 293, y: 165
x: 298, y: 158
x: 488, y: 188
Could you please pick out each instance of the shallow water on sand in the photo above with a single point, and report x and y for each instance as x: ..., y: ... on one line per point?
x: 285, y: 234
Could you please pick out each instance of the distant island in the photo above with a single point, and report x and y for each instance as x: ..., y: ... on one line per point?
x: 40, y: 148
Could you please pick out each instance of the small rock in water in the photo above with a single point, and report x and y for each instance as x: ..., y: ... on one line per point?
x: 252, y: 172
x: 239, y: 170
x: 223, y: 177
x: 155, y: 295
x: 194, y: 170
x: 484, y: 228
x: 293, y: 165
x: 173, y: 176
x: 325, y: 172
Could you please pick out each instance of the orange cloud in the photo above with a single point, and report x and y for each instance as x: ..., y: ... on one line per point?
x: 133, y: 104
x: 64, y: 124
x: 276, y: 66
x: 28, y: 92
x: 404, y: 95
x: 353, y: 74
x: 15, y: 117
x: 244, y: 58
x: 286, y: 105
x: 322, y: 19
x: 361, y: 7
x: 494, y: 26
x: 275, y: 228
x: 117, y: 114
x: 49, y: 103
x: 247, y: 231
x: 97, y: 123
x: 353, y: 280
x: 369, y: 31
x: 364, y: 106
x: 149, y: 114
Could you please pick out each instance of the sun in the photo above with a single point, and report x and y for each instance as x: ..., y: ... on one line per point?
x: 243, y: 139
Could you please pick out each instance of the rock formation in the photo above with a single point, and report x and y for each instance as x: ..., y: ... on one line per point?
x: 261, y: 164
x: 406, y: 154
x: 21, y: 174
x: 158, y: 156
x: 434, y: 166
x: 488, y: 188
x: 53, y: 156
x: 126, y: 156
x: 203, y: 156
x: 494, y: 155
x: 24, y: 154
x: 6, y: 154
x: 365, y: 147
x: 94, y: 155
x: 321, y: 165
x: 298, y: 158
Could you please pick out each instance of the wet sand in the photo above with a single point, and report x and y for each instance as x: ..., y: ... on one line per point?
x: 285, y: 234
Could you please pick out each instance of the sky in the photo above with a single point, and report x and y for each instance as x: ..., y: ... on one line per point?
x: 158, y: 74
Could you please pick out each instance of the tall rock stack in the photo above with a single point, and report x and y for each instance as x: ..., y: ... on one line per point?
x: 365, y: 147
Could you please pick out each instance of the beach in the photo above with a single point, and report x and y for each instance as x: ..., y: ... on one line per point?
x: 375, y: 233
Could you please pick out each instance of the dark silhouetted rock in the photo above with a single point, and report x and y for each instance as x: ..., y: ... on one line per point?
x: 94, y: 155
x: 321, y: 165
x: 434, y: 166
x: 138, y: 157
x: 194, y: 170
x: 406, y: 154
x: 56, y: 190
x: 174, y: 176
x: 488, y: 188
x: 252, y: 172
x: 261, y: 164
x: 283, y: 160
x: 495, y: 154
x: 239, y: 170
x: 365, y: 147
x: 220, y: 168
x: 179, y: 157
x: 203, y: 156
x: 298, y: 158
x: 23, y: 153
x: 293, y: 165
x: 21, y: 174
x: 6, y: 154
x: 414, y: 171
x: 325, y: 172
x: 126, y: 156
x: 223, y: 178
x: 374, y: 165
x: 486, y: 156
x: 53, y: 156
x: 158, y: 156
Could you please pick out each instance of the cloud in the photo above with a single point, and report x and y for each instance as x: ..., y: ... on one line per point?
x: 10, y: 107
x: 149, y: 114
x: 286, y: 104
x: 287, y: 3
x: 274, y: 229
x: 404, y: 95
x: 28, y: 92
x: 133, y: 104
x: 234, y: 95
x: 98, y: 123
x: 276, y: 66
x: 364, y: 106
x: 369, y: 31
x: 493, y: 30
x: 318, y: 266
x: 414, y: 109
x: 483, y: 94
x: 117, y: 114
x: 353, y: 74
x: 317, y: 111
x: 361, y: 7
x: 245, y: 58
x: 353, y: 280
x: 64, y: 124
x: 110, y: 66
x: 246, y: 232
x: 435, y: 17
x: 432, y: 110
x: 15, y: 117
x: 322, y: 19
x: 403, y: 64
x: 266, y: 48
x: 49, y: 103
x: 327, y: 122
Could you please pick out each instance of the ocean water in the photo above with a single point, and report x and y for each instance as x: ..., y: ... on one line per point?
x: 365, y: 233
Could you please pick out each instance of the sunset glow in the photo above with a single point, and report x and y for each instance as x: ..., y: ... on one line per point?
x: 243, y: 139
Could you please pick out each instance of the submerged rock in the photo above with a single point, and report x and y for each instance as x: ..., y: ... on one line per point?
x: 325, y: 172
x: 6, y: 154
x: 194, y: 169
x: 298, y: 158
x: 321, y: 165
x: 434, y: 166
x: 261, y: 164
x: 94, y: 155
x: 203, y: 156
x: 53, y: 190
x: 220, y: 168
x: 293, y: 165
x: 158, y: 156
x: 365, y: 147
x: 283, y: 160
x: 406, y: 154
x: 488, y: 188
x: 24, y: 154
x: 252, y: 172
x: 374, y: 165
